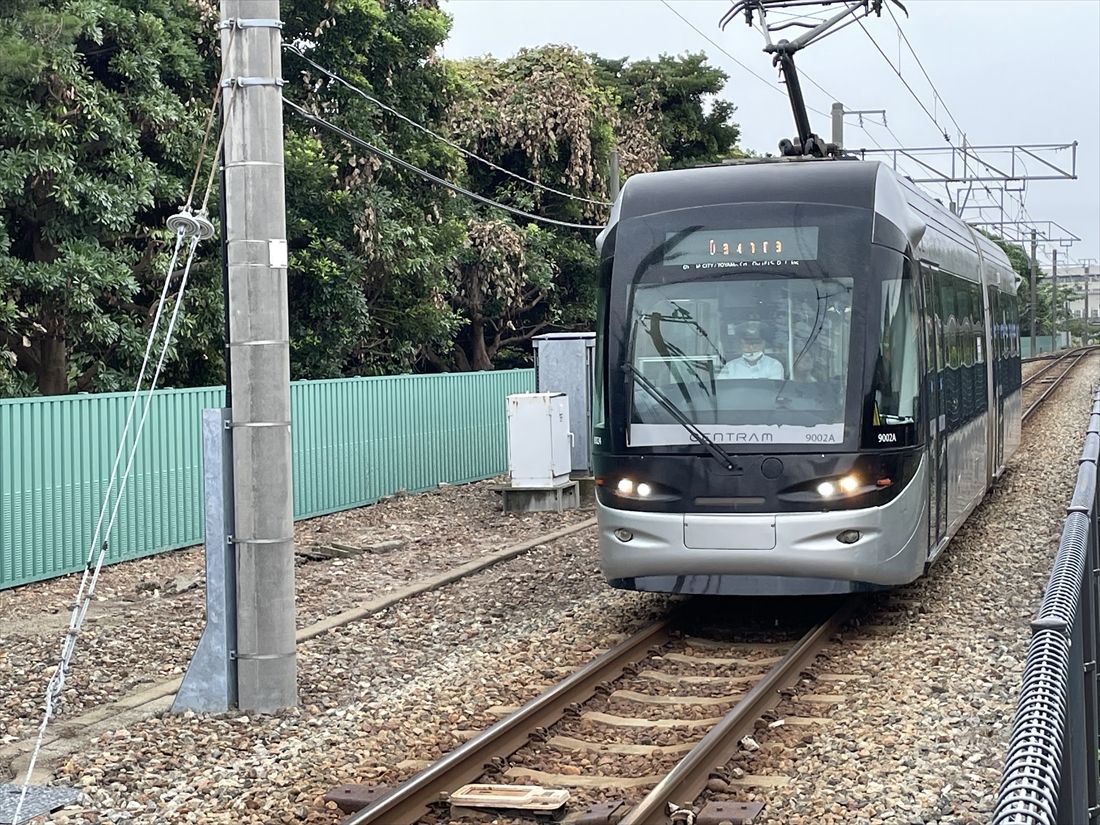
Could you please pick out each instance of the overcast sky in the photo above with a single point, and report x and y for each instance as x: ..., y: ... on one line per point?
x: 1010, y: 71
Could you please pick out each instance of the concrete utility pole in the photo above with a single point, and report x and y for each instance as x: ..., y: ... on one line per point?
x: 1054, y: 302
x: 1034, y: 306
x: 255, y: 232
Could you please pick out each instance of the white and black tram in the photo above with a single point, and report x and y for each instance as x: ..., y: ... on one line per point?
x: 808, y: 376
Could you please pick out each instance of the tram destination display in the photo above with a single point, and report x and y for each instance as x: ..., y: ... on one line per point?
x: 740, y: 246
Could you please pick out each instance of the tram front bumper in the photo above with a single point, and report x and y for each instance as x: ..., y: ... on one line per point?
x: 891, y: 549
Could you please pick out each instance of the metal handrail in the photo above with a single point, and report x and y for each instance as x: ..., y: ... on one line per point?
x: 1052, y: 770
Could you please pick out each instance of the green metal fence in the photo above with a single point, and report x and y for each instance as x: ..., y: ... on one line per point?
x: 355, y: 440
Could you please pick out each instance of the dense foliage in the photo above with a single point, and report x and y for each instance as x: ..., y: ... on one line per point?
x: 102, y: 106
x: 1044, y: 294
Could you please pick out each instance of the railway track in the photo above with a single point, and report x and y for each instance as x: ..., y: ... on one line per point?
x: 582, y: 719
x: 1039, y: 385
x: 569, y: 736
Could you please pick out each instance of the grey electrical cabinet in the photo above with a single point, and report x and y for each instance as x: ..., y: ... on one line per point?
x: 565, y: 362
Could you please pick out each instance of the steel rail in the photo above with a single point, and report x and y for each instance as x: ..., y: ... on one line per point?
x: 688, y: 779
x: 1054, y: 384
x: 407, y: 803
x: 1054, y: 361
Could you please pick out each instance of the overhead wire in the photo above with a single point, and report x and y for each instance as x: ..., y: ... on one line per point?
x: 901, y: 77
x: 404, y: 118
x: 404, y: 164
x: 916, y: 57
x: 967, y: 150
x: 774, y: 86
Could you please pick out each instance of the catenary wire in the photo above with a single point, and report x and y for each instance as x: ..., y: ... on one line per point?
x: 916, y: 57
x: 920, y: 103
x: 905, y: 82
x: 702, y: 34
x: 773, y: 86
x: 370, y: 98
x: 404, y: 164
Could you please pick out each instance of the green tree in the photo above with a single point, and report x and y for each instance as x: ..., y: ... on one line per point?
x: 100, y: 107
x: 1043, y: 293
x: 553, y: 116
x: 102, y: 104
x: 542, y: 115
x: 370, y: 244
x: 665, y: 121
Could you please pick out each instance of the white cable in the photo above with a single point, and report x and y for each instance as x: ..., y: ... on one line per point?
x: 84, y: 598
x: 197, y: 228
x: 130, y: 411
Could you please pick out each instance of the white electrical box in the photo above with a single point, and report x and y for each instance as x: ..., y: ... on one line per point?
x: 538, y: 439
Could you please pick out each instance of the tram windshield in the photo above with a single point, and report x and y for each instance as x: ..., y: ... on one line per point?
x: 759, y: 359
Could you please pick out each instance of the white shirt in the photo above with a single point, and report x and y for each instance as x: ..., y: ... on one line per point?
x: 766, y: 367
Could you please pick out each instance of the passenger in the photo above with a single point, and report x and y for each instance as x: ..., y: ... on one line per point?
x: 752, y: 363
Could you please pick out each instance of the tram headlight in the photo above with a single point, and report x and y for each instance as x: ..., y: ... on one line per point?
x: 649, y: 491
x: 846, y: 485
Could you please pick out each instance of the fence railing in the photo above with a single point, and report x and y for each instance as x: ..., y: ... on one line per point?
x: 354, y: 441
x: 1052, y: 772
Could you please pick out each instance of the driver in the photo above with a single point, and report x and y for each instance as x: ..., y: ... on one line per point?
x: 752, y: 362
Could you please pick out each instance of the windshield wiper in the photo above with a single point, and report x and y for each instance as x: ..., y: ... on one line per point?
x: 678, y: 414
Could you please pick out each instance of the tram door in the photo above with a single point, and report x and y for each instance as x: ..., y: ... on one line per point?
x: 933, y: 287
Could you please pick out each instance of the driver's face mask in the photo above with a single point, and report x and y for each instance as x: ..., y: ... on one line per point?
x: 752, y: 351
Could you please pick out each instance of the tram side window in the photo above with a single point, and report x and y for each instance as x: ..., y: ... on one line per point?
x: 897, y: 365
x: 951, y: 361
x: 966, y: 346
x: 996, y: 307
x: 977, y: 330
x: 1013, y: 315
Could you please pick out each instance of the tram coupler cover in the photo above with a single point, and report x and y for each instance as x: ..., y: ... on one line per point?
x: 728, y: 813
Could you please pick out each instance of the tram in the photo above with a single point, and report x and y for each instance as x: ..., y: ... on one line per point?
x: 807, y: 378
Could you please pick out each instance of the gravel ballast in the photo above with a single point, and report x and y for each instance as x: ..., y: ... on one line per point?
x: 917, y: 734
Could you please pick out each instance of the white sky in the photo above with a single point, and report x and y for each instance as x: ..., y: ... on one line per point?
x: 1011, y: 71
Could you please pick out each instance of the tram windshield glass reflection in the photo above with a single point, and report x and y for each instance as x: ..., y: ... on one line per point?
x: 760, y: 358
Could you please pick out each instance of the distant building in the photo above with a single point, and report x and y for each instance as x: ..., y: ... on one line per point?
x: 1079, y: 278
